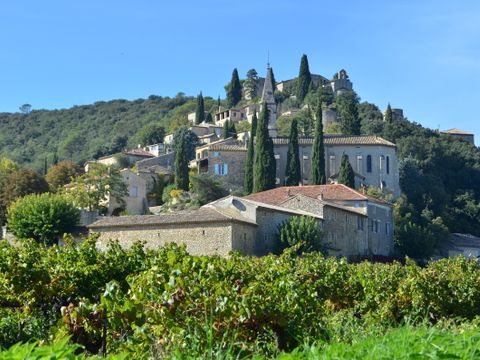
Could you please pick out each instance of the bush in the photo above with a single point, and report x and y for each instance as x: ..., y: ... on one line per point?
x: 42, y: 217
x: 304, y: 232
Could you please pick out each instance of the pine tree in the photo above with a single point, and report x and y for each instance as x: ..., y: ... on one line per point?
x: 292, y: 171
x: 234, y: 90
x: 264, y: 169
x: 248, y: 177
x: 181, y: 164
x: 200, y: 111
x: 304, y: 79
x: 55, y: 158
x: 318, y: 150
x: 389, y: 114
x: 346, y: 175
x: 270, y: 70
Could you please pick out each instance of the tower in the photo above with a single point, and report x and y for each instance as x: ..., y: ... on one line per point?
x: 269, y: 100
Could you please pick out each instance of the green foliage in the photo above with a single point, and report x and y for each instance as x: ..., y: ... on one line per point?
x: 234, y: 90
x: 92, y: 190
x: 191, y: 141
x: 229, y: 129
x: 264, y: 164
x: 347, y: 109
x: 206, y: 189
x: 304, y: 79
x: 42, y: 217
x: 181, y: 163
x: 250, y: 158
x: 303, y: 232
x: 61, y: 174
x: 28, y: 138
x: 150, y: 134
x: 250, y: 84
x: 292, y: 170
x: 346, y: 175
x: 18, y: 183
x: 200, y: 110
x: 318, y: 150
x: 389, y: 114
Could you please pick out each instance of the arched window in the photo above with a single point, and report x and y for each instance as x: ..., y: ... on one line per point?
x: 388, y: 164
x: 369, y: 163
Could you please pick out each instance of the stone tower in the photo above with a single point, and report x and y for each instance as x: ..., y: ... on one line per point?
x: 269, y: 100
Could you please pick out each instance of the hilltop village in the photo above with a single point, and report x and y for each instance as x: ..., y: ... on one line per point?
x: 234, y: 174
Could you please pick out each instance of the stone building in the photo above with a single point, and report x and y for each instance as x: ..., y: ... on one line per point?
x: 354, y: 224
x: 136, y: 200
x: 460, y: 134
x: 373, y: 159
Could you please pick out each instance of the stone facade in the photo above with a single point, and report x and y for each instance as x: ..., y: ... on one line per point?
x: 136, y: 201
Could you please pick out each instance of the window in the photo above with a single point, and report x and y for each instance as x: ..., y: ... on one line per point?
x: 382, y: 159
x: 388, y: 164
x: 359, y: 223
x: 360, y: 164
x: 276, y: 156
x: 220, y: 169
x: 369, y: 163
x: 215, y: 154
x: 134, y: 191
x: 376, y: 226
x: 387, y: 229
x: 332, y: 165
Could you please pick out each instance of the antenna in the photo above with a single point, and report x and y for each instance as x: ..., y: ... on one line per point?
x: 268, y: 58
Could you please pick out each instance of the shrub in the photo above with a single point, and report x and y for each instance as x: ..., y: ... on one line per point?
x: 42, y: 217
x: 304, y: 232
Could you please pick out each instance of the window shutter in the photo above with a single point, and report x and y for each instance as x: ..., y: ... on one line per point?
x: 225, y: 169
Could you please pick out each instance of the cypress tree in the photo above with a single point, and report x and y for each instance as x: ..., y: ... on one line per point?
x: 234, y: 90
x: 270, y: 70
x: 292, y: 171
x: 248, y: 177
x: 209, y: 118
x: 346, y: 175
x: 347, y: 109
x: 232, y: 130
x: 226, y: 129
x: 318, y: 150
x: 389, y: 114
x: 181, y: 164
x: 200, y: 111
x: 264, y: 165
x: 304, y: 79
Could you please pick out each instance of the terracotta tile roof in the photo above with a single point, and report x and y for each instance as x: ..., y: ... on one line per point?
x: 138, y: 152
x: 455, y: 131
x: 333, y: 139
x: 228, y: 147
x: 201, y: 215
x: 332, y: 192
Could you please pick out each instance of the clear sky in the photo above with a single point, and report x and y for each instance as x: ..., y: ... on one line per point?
x: 422, y: 56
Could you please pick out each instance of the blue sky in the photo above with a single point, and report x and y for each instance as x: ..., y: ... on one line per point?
x: 422, y: 56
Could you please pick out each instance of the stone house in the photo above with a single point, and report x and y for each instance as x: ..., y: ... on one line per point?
x: 136, y: 200
x: 354, y: 223
x: 461, y: 244
x: 373, y: 159
x: 460, y: 134
x: 132, y: 156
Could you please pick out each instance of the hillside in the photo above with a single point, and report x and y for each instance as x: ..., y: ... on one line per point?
x: 83, y: 132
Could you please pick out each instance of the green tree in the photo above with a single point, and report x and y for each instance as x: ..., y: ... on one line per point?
x: 250, y: 84
x: 209, y: 118
x: 18, y: 183
x: 347, y: 109
x: 181, y: 164
x: 148, y: 135
x: 42, y: 217
x: 200, y: 110
x: 346, y: 175
x: 292, y: 171
x: 72, y: 144
x: 303, y: 231
x: 62, y: 174
x: 264, y: 173
x: 389, y: 114
x: 272, y: 76
x: 234, y: 90
x: 318, y: 150
x: 248, y: 177
x: 93, y: 189
x: 191, y: 142
x: 304, y: 79
x: 206, y: 189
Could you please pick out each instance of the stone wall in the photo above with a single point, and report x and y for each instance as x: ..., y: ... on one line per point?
x: 165, y: 160
x: 380, y: 235
x: 236, y: 166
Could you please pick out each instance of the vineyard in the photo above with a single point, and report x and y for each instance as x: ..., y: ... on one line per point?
x: 168, y: 304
